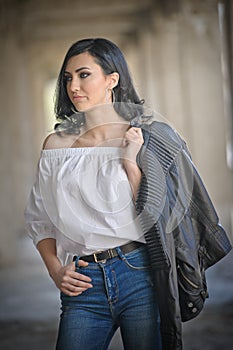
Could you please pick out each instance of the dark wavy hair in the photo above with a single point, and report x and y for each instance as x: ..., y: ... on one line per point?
x: 110, y: 59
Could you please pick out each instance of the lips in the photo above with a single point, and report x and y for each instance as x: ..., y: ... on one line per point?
x: 78, y: 98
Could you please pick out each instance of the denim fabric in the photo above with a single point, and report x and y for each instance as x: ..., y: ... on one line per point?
x: 122, y: 296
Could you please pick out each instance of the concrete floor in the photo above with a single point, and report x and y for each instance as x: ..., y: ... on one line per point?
x: 30, y: 305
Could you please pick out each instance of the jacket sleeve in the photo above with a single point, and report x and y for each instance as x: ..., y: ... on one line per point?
x: 38, y: 224
x: 199, y: 239
x: 213, y: 241
x: 189, y: 199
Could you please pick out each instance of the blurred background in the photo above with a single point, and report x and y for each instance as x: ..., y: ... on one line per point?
x: 180, y: 54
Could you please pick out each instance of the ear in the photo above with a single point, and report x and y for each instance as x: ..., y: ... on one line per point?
x: 113, y: 80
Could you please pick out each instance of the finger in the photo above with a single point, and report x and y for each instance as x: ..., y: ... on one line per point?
x: 71, y: 293
x: 82, y: 263
x: 75, y: 286
x: 135, y: 132
x: 80, y: 284
x: 73, y: 289
x: 76, y: 275
x: 134, y: 138
x: 79, y: 276
x: 81, y: 281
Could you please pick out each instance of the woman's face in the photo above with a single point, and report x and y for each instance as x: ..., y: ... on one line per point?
x: 86, y: 83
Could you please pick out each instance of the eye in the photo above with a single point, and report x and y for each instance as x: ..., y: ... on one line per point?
x: 67, y: 78
x: 84, y: 75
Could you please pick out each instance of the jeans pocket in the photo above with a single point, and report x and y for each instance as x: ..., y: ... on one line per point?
x: 138, y: 259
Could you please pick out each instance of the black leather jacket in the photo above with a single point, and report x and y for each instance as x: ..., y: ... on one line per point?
x: 181, y: 228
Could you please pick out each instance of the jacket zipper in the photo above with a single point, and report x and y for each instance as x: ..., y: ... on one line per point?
x: 187, y: 279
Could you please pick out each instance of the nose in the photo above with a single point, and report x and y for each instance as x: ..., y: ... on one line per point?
x: 74, y: 85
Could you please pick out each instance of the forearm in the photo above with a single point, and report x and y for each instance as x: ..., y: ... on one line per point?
x: 48, y: 252
x: 134, y: 176
x: 133, y: 140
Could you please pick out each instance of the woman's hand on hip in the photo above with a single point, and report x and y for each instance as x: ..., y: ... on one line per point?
x: 69, y: 281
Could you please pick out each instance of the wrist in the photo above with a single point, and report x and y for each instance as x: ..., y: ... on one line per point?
x: 54, y: 268
x: 133, y: 171
x: 130, y: 165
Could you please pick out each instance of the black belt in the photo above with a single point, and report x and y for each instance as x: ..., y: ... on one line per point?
x: 111, y: 253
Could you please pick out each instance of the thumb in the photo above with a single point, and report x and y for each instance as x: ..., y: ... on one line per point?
x: 81, y: 263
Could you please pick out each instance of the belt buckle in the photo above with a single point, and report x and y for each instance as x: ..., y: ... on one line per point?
x: 96, y: 258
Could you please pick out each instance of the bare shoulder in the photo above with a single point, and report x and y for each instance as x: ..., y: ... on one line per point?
x: 58, y: 140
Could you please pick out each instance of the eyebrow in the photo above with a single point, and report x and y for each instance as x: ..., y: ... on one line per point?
x: 78, y: 70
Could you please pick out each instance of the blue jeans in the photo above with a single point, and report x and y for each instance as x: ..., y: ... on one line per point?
x: 122, y: 296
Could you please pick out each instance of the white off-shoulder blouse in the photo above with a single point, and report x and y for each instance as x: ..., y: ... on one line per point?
x: 83, y: 199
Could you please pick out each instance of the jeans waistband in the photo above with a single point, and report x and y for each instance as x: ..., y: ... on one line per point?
x: 102, y: 256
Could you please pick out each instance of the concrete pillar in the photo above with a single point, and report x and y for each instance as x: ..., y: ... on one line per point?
x: 21, y: 135
x: 201, y: 52
x: 13, y: 136
x: 180, y: 72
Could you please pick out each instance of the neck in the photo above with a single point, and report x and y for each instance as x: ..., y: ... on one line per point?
x: 102, y: 122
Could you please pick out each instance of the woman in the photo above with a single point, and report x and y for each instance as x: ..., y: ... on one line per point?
x: 118, y: 212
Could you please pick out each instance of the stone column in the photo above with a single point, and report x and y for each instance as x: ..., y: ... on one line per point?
x: 180, y: 73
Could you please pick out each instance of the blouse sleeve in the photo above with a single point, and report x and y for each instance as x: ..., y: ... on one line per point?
x: 38, y: 224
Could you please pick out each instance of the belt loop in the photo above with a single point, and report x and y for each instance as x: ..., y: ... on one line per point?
x: 76, y: 260
x: 119, y: 252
